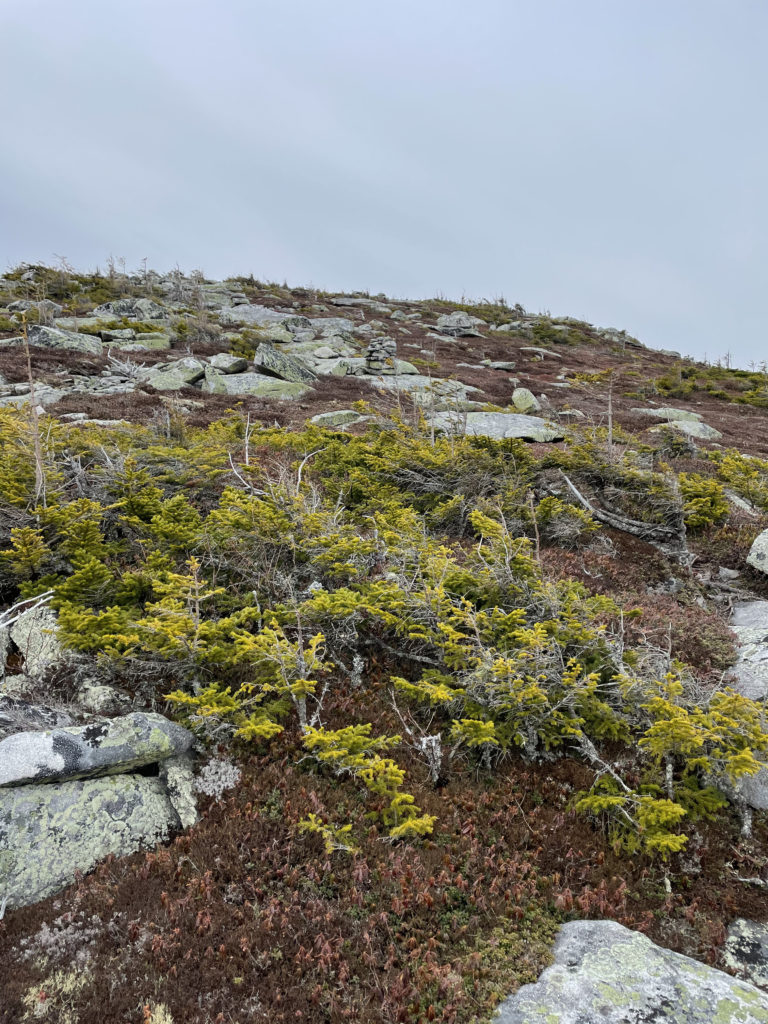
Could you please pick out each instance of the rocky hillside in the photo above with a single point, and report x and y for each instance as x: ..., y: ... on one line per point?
x: 363, y: 659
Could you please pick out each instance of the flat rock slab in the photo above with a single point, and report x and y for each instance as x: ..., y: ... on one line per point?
x: 101, y: 748
x: 750, y: 624
x: 669, y: 413
x: 258, y: 384
x: 498, y: 425
x: 49, y: 834
x: 54, y: 337
x: 746, y: 951
x: 606, y: 974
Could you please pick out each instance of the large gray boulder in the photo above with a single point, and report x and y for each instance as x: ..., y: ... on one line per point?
x: 498, y: 425
x: 692, y: 428
x: 423, y: 390
x: 50, y: 834
x: 758, y: 553
x: 460, y: 324
x: 251, y: 313
x: 258, y: 384
x: 100, y: 748
x: 131, y: 309
x: 609, y: 974
x: 54, y: 337
x: 268, y: 360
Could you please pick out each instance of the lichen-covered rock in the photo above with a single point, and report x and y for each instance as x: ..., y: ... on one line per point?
x: 132, y: 309
x: 226, y: 363
x: 525, y: 401
x: 100, y: 748
x: 270, y: 361
x: 258, y: 384
x: 49, y: 834
x: 746, y: 951
x: 176, y: 375
x: 606, y: 973
x: 460, y: 324
x: 35, y: 636
x: 54, y: 337
x: 498, y: 425
x: 758, y: 553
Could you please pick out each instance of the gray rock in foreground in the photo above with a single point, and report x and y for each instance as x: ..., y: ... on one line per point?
x: 746, y: 951
x: 101, y: 748
x: 49, y: 834
x: 606, y: 973
x: 498, y: 425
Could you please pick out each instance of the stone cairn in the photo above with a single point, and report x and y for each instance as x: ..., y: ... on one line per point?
x: 381, y: 355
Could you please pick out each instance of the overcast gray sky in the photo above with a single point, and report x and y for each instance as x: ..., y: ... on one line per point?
x: 606, y: 159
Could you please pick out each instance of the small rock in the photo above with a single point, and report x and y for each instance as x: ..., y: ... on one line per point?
x: 525, y: 401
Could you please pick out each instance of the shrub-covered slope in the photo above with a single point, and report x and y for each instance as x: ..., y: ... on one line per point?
x: 449, y: 690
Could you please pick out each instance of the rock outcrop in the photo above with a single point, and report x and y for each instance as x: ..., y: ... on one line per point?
x: 606, y: 973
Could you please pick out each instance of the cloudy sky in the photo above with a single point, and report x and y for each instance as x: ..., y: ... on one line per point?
x: 605, y: 159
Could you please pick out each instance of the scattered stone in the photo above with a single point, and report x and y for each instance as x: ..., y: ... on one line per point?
x: 497, y: 425
x: 270, y: 361
x: 226, y: 363
x: 746, y: 951
x: 525, y: 401
x: 104, y: 748
x: 500, y: 364
x: 605, y: 972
